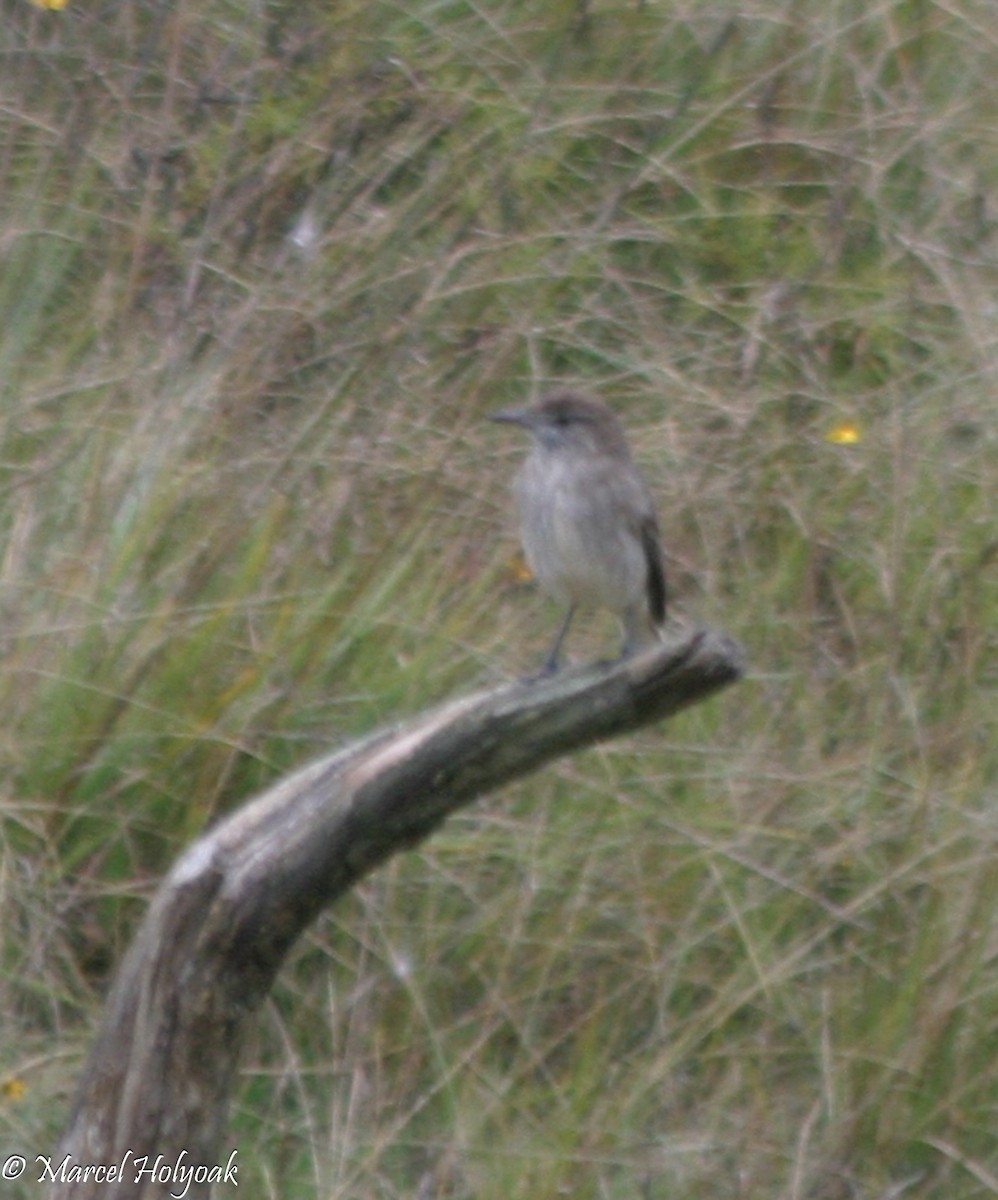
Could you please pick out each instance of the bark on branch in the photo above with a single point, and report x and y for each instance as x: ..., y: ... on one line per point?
x: 163, y: 1063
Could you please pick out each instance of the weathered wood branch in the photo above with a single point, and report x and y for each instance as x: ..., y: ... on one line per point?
x: 163, y: 1063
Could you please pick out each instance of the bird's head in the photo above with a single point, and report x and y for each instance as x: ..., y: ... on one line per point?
x: 570, y: 421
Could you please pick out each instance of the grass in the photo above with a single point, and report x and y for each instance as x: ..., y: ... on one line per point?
x: 265, y: 273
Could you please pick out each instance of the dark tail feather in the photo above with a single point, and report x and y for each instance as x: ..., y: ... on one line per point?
x: 656, y: 572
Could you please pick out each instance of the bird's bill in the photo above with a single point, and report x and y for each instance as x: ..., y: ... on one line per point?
x: 513, y: 416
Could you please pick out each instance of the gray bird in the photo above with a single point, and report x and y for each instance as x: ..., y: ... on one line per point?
x: 586, y: 517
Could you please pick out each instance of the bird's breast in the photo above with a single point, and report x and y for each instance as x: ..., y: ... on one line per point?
x: 577, y: 540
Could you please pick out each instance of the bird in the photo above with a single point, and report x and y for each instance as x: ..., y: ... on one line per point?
x: 587, y: 522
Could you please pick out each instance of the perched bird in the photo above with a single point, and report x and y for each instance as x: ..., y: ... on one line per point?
x: 586, y: 517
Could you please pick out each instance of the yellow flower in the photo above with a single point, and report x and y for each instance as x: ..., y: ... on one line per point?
x: 55, y: 4
x: 12, y: 1089
x: 845, y: 433
x: 517, y: 570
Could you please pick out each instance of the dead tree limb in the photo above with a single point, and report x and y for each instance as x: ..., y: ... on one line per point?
x: 160, y: 1073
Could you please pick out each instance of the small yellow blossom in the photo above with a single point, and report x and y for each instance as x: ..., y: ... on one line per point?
x: 845, y: 433
x: 54, y: 4
x: 517, y: 569
x: 12, y: 1089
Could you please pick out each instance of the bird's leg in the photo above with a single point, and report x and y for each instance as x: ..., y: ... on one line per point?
x: 551, y: 662
x: 639, y: 631
x: 631, y: 639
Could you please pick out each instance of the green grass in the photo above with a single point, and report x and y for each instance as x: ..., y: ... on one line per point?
x: 265, y: 272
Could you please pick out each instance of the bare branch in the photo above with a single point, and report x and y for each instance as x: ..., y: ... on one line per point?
x: 220, y: 926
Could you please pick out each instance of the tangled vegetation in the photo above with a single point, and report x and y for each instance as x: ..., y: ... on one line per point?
x: 266, y: 268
